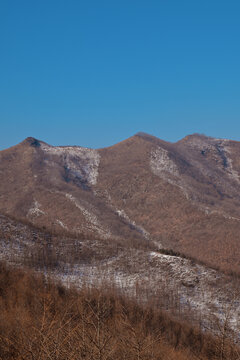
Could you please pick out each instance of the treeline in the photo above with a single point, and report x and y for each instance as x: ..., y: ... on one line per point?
x: 40, y: 320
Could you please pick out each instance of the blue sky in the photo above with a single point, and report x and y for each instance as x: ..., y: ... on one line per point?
x: 93, y: 73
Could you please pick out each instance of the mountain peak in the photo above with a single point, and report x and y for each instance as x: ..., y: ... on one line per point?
x: 32, y: 142
x: 149, y: 138
x: 195, y: 136
x: 198, y: 140
x: 145, y: 135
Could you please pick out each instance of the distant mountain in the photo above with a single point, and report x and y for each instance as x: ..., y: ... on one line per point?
x: 183, y: 196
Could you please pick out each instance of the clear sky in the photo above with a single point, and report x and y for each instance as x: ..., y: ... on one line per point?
x: 93, y: 73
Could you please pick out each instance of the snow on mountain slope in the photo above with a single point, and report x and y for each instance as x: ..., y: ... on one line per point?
x: 78, y: 161
x: 193, y: 163
x: 35, y: 210
x: 183, y: 196
x: 161, y: 163
x: 92, y: 221
x: 187, y: 290
x: 176, y: 284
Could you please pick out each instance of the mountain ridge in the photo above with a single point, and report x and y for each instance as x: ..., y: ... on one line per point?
x: 146, y: 136
x: 183, y: 196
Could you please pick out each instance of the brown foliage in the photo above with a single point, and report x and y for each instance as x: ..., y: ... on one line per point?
x: 40, y: 320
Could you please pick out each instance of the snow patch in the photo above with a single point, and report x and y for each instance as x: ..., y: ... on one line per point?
x: 121, y: 213
x: 59, y: 222
x: 35, y: 210
x: 160, y: 162
x: 139, y: 228
x: 80, y: 162
x: 162, y: 166
x: 231, y: 172
x: 208, y: 211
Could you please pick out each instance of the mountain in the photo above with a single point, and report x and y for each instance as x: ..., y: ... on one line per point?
x: 182, y: 196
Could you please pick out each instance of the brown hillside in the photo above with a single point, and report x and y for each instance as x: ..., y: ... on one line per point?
x: 40, y: 321
x: 183, y: 196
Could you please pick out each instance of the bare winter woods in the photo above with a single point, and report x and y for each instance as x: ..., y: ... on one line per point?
x: 148, y: 237
x: 40, y: 320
